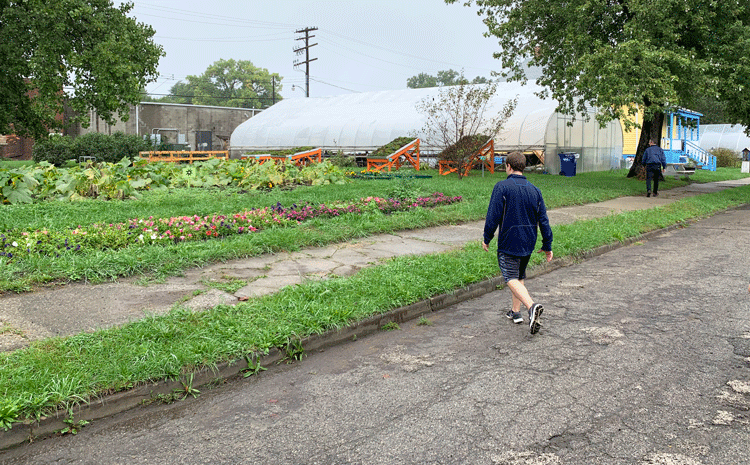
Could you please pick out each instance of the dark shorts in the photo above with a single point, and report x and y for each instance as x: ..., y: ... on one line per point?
x: 512, y: 267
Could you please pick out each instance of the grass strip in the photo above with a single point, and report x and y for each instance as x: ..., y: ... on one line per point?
x: 60, y: 372
x: 159, y: 261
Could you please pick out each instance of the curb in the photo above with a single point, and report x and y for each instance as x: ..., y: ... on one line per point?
x: 144, y: 394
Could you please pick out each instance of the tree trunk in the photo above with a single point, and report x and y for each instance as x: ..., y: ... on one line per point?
x: 651, y: 130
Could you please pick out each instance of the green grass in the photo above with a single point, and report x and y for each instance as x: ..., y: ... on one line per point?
x: 60, y: 372
x: 10, y: 164
x: 161, y: 261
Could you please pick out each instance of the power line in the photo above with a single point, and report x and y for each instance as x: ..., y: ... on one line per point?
x: 229, y: 20
x: 351, y: 39
x: 226, y: 40
x: 332, y: 85
x: 208, y: 96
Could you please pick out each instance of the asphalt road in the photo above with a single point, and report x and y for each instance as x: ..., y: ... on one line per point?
x: 643, y: 358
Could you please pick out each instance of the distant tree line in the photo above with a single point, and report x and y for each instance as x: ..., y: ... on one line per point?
x: 444, y: 78
x: 227, y: 83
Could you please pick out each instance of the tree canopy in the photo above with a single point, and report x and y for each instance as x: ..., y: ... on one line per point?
x: 229, y: 83
x: 86, y: 54
x: 444, y: 78
x: 616, y: 54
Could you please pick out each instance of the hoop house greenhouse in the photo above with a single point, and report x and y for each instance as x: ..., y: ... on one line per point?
x: 725, y: 136
x: 366, y: 121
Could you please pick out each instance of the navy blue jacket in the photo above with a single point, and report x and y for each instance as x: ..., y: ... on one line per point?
x: 517, y: 207
x: 654, y: 155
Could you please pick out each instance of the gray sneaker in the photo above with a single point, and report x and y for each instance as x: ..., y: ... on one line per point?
x: 535, y: 314
x: 515, y: 316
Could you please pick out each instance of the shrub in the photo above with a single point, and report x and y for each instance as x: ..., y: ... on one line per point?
x: 342, y: 161
x: 110, y: 149
x: 128, y: 145
x: 96, y: 145
x: 56, y: 150
x: 726, y: 158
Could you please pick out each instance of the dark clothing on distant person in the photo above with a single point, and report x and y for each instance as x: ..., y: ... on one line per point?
x: 653, y: 171
x: 654, y: 161
x: 654, y: 155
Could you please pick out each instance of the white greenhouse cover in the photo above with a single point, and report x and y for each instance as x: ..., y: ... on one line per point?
x: 366, y: 121
x: 727, y: 136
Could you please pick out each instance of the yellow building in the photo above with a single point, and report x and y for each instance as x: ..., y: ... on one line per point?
x: 680, y: 136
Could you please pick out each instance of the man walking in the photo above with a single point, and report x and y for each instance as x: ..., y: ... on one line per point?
x: 517, y: 208
x: 655, y: 163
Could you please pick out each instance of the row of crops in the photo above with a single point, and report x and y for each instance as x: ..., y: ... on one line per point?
x: 124, y: 180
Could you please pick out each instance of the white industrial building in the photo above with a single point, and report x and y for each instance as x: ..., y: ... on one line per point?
x: 365, y: 121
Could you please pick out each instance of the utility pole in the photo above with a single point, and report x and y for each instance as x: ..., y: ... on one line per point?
x: 306, y: 51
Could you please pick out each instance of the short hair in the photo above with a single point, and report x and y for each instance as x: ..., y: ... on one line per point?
x: 517, y: 161
x: 652, y: 141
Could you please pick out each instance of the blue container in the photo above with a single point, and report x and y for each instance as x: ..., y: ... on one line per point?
x: 567, y: 163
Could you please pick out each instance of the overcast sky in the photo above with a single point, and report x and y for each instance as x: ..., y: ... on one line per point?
x: 363, y: 45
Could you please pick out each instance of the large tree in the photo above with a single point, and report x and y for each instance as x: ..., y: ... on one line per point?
x: 229, y: 83
x: 87, y: 54
x: 620, y: 55
x: 444, y: 78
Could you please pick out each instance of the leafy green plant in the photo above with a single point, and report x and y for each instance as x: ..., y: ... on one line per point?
x: 390, y: 326
x: 321, y: 174
x: 341, y: 160
x: 10, y: 409
x: 253, y: 366
x: 726, y: 158
x: 17, y: 185
x: 55, y: 150
x: 229, y: 286
x: 73, y: 426
x: 424, y: 322
x: 187, y: 388
x: 405, y: 188
x: 294, y: 350
x: 5, y: 328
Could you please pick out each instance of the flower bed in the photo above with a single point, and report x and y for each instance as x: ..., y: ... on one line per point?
x: 15, y: 245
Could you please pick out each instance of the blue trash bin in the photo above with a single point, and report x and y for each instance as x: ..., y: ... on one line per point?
x: 567, y: 163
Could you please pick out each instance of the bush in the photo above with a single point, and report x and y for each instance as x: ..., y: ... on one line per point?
x: 726, y: 158
x: 342, y: 161
x: 128, y: 145
x: 56, y: 150
x: 104, y: 148
x: 96, y: 145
